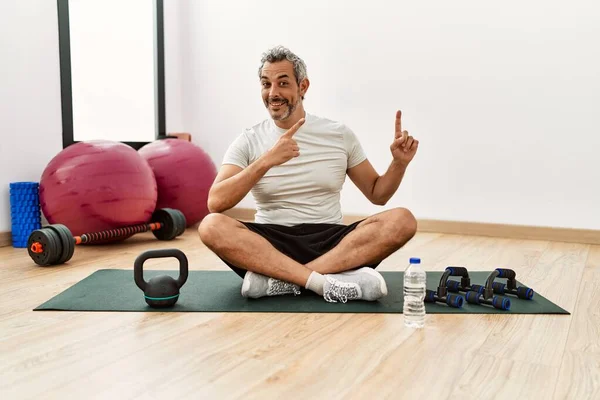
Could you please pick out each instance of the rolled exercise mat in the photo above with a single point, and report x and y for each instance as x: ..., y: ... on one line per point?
x: 25, y: 211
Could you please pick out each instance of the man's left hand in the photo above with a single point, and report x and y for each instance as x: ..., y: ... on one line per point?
x: 404, y: 146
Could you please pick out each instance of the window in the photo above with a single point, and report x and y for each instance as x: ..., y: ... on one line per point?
x: 112, y: 70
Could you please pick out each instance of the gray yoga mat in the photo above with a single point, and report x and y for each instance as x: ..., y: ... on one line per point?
x: 219, y: 291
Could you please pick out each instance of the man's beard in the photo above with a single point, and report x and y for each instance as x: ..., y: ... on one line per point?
x: 288, y: 108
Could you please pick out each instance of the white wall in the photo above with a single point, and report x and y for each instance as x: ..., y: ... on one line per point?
x: 501, y: 95
x: 30, y: 111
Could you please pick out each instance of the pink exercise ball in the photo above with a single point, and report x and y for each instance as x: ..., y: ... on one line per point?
x: 97, y: 185
x: 184, y: 174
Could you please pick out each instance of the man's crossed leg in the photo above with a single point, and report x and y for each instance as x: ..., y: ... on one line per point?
x: 337, y: 275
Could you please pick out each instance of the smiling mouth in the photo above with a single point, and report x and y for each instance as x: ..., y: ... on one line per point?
x: 277, y: 103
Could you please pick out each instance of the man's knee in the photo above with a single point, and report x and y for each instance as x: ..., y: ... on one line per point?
x: 211, y: 228
x: 402, y: 225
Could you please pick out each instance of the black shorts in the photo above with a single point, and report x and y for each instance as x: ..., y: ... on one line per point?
x: 303, y: 243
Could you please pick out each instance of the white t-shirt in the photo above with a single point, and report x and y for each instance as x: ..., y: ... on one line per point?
x: 305, y: 189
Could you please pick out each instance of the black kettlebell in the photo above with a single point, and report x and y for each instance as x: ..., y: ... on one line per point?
x: 161, y: 291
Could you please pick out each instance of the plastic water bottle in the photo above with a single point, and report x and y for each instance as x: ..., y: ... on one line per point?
x: 415, y: 284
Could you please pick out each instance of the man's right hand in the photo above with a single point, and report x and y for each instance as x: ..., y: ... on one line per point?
x: 286, y: 147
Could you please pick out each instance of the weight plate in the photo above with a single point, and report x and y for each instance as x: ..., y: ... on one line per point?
x: 64, y: 244
x: 182, y: 222
x: 58, y: 245
x: 168, y: 219
x: 70, y: 241
x: 179, y: 219
x: 67, y: 241
x: 51, y: 248
x: 71, y: 246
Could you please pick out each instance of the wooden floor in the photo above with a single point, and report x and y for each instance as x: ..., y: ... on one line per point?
x: 310, y: 356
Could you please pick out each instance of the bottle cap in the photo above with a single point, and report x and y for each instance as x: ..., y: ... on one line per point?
x: 415, y: 260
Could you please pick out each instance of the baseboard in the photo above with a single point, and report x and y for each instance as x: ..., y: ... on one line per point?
x: 554, y: 234
x: 5, y: 239
x: 586, y: 236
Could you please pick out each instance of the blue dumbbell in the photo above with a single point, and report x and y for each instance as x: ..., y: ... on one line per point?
x: 453, y: 300
x: 501, y: 303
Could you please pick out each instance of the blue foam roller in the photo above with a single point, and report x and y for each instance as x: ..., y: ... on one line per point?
x: 25, y: 211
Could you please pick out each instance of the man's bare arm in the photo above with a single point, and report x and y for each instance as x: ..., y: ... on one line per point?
x: 233, y: 183
x: 378, y: 189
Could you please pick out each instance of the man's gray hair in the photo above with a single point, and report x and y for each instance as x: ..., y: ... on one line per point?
x: 281, y: 53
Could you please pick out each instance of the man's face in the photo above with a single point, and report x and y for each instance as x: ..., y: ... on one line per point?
x: 280, y: 92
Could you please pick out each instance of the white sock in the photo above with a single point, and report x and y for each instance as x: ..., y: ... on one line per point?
x: 315, y: 283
